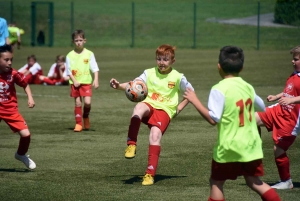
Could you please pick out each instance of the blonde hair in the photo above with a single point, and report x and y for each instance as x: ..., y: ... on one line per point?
x: 295, y: 51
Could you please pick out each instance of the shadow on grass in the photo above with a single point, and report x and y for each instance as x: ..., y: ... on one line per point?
x: 138, y: 178
x: 14, y: 170
x: 88, y: 130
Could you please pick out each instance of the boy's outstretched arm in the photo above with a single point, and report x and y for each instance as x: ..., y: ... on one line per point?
x: 27, y: 90
x: 191, y: 96
x: 182, y: 105
x: 115, y: 84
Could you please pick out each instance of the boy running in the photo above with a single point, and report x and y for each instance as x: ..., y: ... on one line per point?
x: 238, y: 151
x: 160, y: 106
x: 9, y: 112
x: 80, y: 62
x: 283, y: 120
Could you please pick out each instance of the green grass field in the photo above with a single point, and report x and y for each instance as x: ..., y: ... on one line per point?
x: 90, y: 165
x: 109, y: 23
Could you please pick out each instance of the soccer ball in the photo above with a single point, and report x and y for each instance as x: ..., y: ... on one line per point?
x: 136, y: 91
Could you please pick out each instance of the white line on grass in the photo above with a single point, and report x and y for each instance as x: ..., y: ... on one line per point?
x: 41, y: 95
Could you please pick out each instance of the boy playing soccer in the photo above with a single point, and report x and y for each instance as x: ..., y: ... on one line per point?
x: 238, y: 151
x: 9, y: 105
x: 283, y: 120
x: 160, y: 106
x: 80, y: 62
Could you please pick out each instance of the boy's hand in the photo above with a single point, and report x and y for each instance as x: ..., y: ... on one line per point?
x: 114, y: 83
x: 271, y: 98
x: 95, y: 84
x: 31, y: 103
x: 190, y: 95
x: 76, y: 84
x: 285, y: 101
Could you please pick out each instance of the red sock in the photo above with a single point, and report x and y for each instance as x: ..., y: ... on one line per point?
x: 23, y: 145
x: 153, y: 156
x: 49, y: 81
x: 78, y: 115
x: 86, y: 111
x: 210, y: 199
x: 270, y: 195
x: 133, y: 130
x: 283, y: 166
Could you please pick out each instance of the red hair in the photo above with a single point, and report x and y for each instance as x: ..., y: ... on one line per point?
x: 166, y: 49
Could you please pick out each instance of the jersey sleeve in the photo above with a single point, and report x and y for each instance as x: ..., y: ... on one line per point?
x: 35, y: 68
x: 184, y: 84
x: 143, y: 77
x: 216, y: 102
x: 93, y: 64
x: 23, y: 68
x: 19, y: 79
x: 52, y: 70
x: 259, y: 103
x: 68, y: 69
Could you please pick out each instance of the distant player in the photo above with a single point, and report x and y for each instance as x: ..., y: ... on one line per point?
x: 80, y: 63
x: 15, y: 35
x: 238, y: 150
x: 9, y: 112
x: 57, y: 74
x: 32, y: 70
x: 283, y: 120
x: 160, y: 106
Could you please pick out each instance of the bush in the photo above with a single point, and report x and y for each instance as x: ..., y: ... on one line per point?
x: 287, y: 12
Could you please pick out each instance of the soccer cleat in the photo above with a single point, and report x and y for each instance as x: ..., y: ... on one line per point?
x: 86, y: 123
x: 26, y: 160
x: 130, y: 151
x: 148, y: 180
x: 288, y: 184
x: 78, y: 128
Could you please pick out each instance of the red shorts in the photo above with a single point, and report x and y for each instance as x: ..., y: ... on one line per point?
x: 33, y: 79
x: 158, y: 118
x: 279, y: 125
x: 224, y: 171
x: 82, y: 90
x: 15, y: 121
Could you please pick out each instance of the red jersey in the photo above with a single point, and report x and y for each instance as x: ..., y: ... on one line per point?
x: 289, y: 115
x: 8, y: 96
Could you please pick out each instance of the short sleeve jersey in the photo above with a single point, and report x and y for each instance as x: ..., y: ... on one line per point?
x: 238, y: 138
x: 8, y: 97
x: 80, y: 65
x: 289, y: 115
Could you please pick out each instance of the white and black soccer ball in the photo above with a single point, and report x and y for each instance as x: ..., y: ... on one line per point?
x: 136, y: 90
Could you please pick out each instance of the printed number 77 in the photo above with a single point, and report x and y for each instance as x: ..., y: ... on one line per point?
x: 248, y: 105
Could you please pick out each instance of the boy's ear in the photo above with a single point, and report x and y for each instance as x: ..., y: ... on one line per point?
x: 173, y: 61
x: 219, y: 67
x: 241, y: 69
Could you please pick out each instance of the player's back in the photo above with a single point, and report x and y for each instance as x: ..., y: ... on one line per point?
x: 238, y: 135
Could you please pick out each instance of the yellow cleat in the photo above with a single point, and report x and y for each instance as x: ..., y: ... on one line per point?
x: 86, y: 123
x: 78, y: 128
x: 148, y: 180
x: 130, y: 151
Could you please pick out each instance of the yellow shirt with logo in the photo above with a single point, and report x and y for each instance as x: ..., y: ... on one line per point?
x: 80, y: 65
x: 163, y: 90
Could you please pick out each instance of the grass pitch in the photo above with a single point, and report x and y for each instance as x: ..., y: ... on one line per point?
x: 90, y: 165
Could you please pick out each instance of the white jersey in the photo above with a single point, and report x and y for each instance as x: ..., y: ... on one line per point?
x: 33, y: 69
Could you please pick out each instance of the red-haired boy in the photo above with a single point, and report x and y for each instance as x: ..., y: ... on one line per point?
x: 160, y: 106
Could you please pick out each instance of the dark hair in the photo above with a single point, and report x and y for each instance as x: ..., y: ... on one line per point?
x: 231, y: 59
x: 6, y: 48
x: 78, y: 33
x: 31, y: 57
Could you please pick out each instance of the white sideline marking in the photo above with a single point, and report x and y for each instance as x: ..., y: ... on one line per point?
x: 23, y: 94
